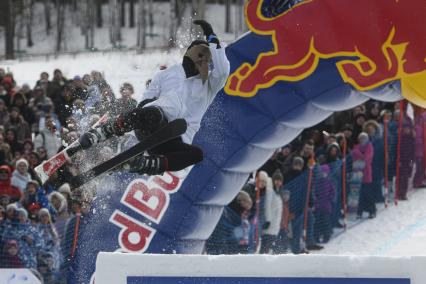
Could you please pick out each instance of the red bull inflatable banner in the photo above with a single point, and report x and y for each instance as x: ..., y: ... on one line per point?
x: 299, y: 63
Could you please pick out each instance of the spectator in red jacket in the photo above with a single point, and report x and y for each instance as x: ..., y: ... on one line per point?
x: 9, y: 257
x: 6, y: 188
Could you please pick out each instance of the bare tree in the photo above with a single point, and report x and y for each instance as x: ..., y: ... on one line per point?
x: 141, y: 38
x: 227, y: 16
x: 115, y: 29
x: 99, y: 19
x: 47, y: 16
x: 88, y: 22
x: 132, y: 13
x: 28, y: 16
x: 198, y: 9
x: 173, y: 23
x: 123, y: 13
x: 10, y: 29
x: 60, y: 21
x: 239, y: 18
x: 151, y: 17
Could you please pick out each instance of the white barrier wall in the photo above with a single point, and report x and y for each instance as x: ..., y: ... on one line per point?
x: 18, y: 276
x: 120, y: 268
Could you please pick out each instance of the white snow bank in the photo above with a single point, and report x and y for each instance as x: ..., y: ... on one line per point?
x: 396, y: 231
x: 305, y: 266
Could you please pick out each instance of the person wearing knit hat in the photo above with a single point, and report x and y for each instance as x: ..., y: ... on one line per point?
x: 22, y: 214
x: 20, y: 176
x: 362, y: 156
x: 10, y: 258
x: 11, y: 212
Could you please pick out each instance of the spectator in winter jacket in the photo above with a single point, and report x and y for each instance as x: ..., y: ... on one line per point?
x: 420, y: 121
x: 126, y: 102
x: 29, y: 240
x: 360, y: 119
x: 9, y: 255
x: 373, y: 130
x: 64, y: 103
x: 11, y: 139
x: 57, y: 84
x: 296, y: 182
x: 348, y: 134
x: 51, y: 242
x: 48, y: 138
x: 324, y: 193
x: 4, y: 114
x: 363, y: 153
x: 407, y: 158
x: 59, y: 204
x: 273, y: 207
x: 34, y: 196
x: 19, y: 100
x: 306, y: 153
x: 6, y: 188
x: 39, y: 102
x: 11, y: 217
x: 231, y: 233
x: 295, y: 170
x: 20, y: 176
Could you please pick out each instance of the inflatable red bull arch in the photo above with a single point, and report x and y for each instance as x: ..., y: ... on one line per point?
x: 291, y: 71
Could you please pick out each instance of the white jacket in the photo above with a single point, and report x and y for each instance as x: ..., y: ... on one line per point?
x: 188, y: 98
x: 273, y: 211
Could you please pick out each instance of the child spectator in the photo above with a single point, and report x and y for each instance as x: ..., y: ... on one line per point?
x: 324, y: 193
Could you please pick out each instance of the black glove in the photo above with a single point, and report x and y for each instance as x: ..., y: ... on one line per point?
x: 266, y: 225
x: 208, y: 31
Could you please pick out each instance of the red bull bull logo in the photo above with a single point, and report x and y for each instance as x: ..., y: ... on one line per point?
x: 378, y: 40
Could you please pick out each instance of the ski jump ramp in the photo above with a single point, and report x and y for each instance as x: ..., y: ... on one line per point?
x: 285, y: 76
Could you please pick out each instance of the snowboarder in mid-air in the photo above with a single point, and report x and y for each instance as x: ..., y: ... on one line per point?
x: 181, y: 91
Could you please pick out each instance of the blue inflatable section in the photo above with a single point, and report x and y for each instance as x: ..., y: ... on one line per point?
x: 237, y: 135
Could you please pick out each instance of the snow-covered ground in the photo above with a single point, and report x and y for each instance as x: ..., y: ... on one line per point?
x: 396, y: 231
x: 117, y: 67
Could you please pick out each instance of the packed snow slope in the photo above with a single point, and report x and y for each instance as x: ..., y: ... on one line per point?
x: 396, y: 231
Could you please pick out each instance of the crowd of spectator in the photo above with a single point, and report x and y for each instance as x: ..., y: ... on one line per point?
x: 333, y: 172
x: 37, y: 222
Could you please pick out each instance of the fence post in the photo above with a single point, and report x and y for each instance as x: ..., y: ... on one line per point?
x: 76, y: 229
x: 385, y: 137
x: 256, y: 218
x: 398, y: 149
x: 308, y: 194
x: 344, y: 205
